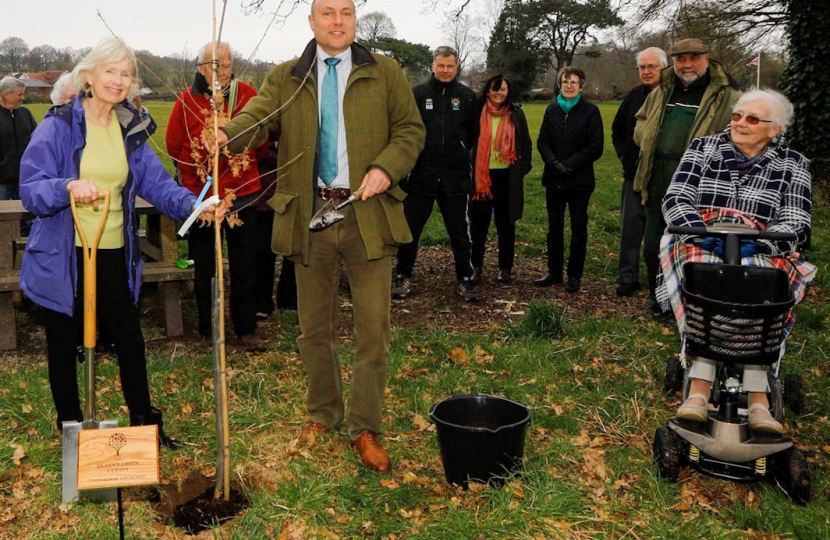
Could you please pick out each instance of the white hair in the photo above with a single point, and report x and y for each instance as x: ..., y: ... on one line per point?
x: 780, y: 109
x: 63, y: 82
x: 207, y: 51
x: 109, y: 50
x: 10, y: 84
x: 661, y: 55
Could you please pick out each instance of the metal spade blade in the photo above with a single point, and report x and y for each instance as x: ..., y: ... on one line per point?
x: 330, y: 214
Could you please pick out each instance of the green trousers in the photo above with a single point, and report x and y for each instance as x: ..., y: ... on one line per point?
x: 661, y: 176
x: 319, y: 309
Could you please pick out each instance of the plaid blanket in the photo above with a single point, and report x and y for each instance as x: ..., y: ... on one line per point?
x: 674, y: 254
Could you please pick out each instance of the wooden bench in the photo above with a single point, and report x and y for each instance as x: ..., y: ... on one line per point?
x: 158, y: 244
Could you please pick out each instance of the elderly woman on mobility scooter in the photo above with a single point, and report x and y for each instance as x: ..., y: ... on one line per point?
x: 743, y: 175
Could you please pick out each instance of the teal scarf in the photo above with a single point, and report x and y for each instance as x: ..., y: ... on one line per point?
x: 567, y: 105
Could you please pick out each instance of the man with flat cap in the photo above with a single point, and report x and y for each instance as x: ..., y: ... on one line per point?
x: 694, y: 99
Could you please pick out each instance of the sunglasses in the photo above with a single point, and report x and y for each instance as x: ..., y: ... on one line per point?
x: 751, y: 119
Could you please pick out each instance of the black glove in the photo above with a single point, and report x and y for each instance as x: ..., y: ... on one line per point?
x: 562, y: 169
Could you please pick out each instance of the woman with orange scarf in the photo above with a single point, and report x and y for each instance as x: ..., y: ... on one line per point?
x: 502, y: 159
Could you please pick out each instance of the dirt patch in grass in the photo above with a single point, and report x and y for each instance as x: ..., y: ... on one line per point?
x: 191, y: 505
x: 434, y: 301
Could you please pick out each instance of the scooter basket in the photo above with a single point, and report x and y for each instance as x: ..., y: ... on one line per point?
x: 736, y: 314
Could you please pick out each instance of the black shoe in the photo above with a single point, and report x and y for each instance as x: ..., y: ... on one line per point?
x: 476, y: 275
x: 154, y: 417
x: 504, y: 276
x: 467, y: 291
x: 401, y: 287
x: 572, y: 286
x: 627, y: 289
x: 547, y: 280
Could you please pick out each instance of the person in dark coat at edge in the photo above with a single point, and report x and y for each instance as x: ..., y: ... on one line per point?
x: 650, y: 62
x: 16, y: 127
x: 570, y: 141
x: 443, y: 171
x: 502, y: 159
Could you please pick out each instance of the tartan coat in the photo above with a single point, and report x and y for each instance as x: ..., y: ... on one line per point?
x: 383, y: 129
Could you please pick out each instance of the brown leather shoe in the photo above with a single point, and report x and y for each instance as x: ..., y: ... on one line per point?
x: 253, y: 343
x: 372, y: 453
x: 310, y: 430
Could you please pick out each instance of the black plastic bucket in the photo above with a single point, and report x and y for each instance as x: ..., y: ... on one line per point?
x: 482, y: 437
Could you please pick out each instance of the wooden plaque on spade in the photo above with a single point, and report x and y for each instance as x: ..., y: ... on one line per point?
x: 118, y: 457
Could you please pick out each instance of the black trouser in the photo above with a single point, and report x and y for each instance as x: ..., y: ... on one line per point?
x: 577, y: 203
x: 120, y: 317
x: 480, y: 212
x: 241, y: 242
x: 633, y: 225
x: 266, y: 261
x: 417, y: 208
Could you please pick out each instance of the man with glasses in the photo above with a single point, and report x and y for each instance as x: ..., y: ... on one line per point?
x: 16, y: 126
x: 650, y: 62
x: 443, y: 172
x: 692, y: 100
x: 186, y: 146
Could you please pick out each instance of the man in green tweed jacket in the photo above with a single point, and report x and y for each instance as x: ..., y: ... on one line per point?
x: 380, y: 135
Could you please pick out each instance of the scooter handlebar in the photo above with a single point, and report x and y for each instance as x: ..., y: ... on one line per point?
x: 722, y: 230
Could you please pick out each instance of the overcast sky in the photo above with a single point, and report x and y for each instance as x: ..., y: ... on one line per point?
x: 169, y: 27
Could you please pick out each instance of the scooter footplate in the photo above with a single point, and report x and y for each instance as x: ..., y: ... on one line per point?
x: 729, y: 442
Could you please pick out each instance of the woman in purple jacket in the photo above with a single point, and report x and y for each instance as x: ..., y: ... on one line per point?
x: 97, y: 141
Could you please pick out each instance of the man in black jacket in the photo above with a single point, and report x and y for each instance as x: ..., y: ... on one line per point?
x: 443, y: 171
x: 650, y: 62
x: 16, y: 127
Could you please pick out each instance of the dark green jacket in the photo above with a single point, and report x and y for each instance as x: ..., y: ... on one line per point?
x: 712, y: 117
x: 383, y: 129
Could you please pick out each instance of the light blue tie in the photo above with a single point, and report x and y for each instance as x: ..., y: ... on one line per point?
x: 329, y: 111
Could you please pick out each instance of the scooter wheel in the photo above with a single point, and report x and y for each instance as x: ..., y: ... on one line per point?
x: 673, y: 381
x: 793, y: 475
x: 667, y: 452
x: 794, y: 393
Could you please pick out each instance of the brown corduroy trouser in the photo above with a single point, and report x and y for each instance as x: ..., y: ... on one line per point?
x: 319, y: 308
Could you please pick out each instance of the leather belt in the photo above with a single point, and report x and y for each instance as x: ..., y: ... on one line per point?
x: 337, y: 194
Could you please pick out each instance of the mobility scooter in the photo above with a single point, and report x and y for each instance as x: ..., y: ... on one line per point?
x: 735, y: 315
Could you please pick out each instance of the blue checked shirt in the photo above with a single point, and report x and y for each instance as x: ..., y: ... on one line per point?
x: 344, y: 69
x: 776, y: 190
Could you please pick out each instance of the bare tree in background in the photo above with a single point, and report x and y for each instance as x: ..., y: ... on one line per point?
x: 375, y: 26
x: 459, y: 34
x: 13, y: 53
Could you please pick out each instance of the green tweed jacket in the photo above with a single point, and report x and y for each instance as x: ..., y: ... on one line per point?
x: 712, y: 117
x: 383, y: 129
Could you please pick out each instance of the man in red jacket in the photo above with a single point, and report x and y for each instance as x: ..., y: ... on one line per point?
x: 185, y: 144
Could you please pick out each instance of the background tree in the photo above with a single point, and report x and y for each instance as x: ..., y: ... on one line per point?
x: 566, y: 25
x: 41, y: 58
x: 374, y: 26
x: 515, y: 49
x: 459, y: 33
x: 806, y: 80
x: 414, y: 58
x: 13, y: 53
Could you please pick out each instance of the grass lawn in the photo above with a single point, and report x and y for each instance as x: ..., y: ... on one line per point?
x: 595, y: 390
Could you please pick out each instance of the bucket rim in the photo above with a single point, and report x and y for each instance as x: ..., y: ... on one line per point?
x: 526, y: 420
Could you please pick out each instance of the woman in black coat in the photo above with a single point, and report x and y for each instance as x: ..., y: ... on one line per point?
x: 570, y: 141
x: 501, y: 160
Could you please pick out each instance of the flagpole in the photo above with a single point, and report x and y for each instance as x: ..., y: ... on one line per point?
x: 758, y: 82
